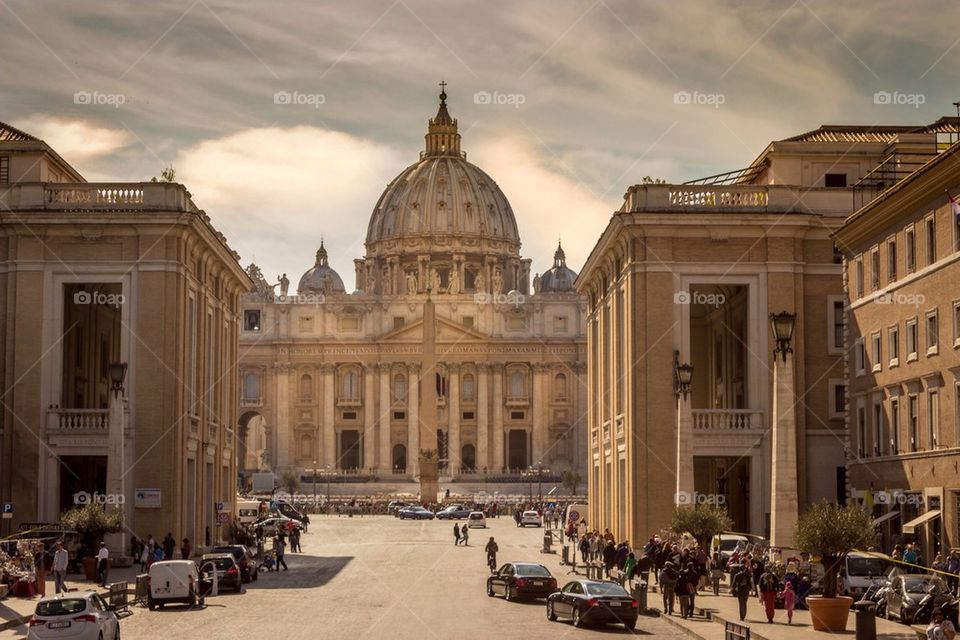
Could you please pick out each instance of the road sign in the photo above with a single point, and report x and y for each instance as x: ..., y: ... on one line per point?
x: 223, y: 517
x: 7, y: 510
x: 574, y: 516
x: 219, y: 507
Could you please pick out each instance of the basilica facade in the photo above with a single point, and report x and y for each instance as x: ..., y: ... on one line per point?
x: 334, y: 380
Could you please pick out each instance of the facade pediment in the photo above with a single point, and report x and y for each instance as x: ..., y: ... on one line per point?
x: 447, y: 331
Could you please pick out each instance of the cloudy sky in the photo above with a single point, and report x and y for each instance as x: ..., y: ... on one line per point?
x: 582, y: 98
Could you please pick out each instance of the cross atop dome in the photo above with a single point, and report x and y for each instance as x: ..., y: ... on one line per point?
x: 442, y: 138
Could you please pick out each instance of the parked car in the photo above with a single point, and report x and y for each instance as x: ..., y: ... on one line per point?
x: 516, y: 580
x: 476, y: 520
x: 394, y: 507
x: 244, y: 557
x: 277, y: 523
x: 589, y: 601
x: 453, y: 512
x: 726, y: 543
x: 907, y: 590
x: 228, y: 573
x: 416, y: 513
x: 77, y: 616
x: 173, y: 581
x: 531, y: 518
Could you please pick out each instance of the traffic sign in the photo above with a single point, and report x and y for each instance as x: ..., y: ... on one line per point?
x: 219, y: 507
x: 223, y: 518
x: 7, y: 510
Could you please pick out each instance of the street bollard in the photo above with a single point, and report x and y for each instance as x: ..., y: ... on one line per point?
x: 566, y: 555
x: 547, y: 541
x: 866, y: 620
x: 639, y: 593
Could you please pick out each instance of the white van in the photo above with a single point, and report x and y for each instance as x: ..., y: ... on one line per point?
x: 248, y: 511
x: 173, y: 581
x: 476, y: 520
x: 575, y: 513
x: 726, y: 543
x: 861, y: 570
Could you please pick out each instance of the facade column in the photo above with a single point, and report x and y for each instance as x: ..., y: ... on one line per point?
x: 497, y: 418
x: 282, y: 428
x: 369, y: 452
x: 756, y: 496
x: 540, y: 372
x: 453, y: 419
x: 582, y: 453
x: 783, y: 449
x: 413, y: 415
x: 483, y: 431
x: 385, y: 464
x: 329, y: 440
x: 684, y: 488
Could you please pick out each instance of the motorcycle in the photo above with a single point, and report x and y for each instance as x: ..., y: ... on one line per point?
x: 928, y: 603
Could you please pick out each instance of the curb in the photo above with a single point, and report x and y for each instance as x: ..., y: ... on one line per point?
x: 687, y: 630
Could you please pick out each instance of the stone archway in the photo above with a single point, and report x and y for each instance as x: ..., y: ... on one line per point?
x: 253, y: 447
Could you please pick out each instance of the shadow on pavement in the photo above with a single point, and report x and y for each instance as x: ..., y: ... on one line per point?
x: 305, y: 572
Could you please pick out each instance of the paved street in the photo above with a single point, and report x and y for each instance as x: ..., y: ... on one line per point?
x: 378, y: 577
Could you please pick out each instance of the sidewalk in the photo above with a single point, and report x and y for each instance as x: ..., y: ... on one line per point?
x: 713, y: 611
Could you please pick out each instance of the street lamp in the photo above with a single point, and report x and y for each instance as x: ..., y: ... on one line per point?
x: 537, y: 470
x: 783, y: 324
x: 118, y: 371
x: 682, y: 376
x: 315, y: 486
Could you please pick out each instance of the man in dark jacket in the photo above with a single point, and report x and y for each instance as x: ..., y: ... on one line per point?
x: 668, y: 582
x: 169, y: 544
x: 609, y: 557
x: 740, y: 585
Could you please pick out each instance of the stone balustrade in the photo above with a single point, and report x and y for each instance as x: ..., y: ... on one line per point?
x: 78, y: 420
x: 97, y: 196
x: 654, y: 198
x: 727, y: 419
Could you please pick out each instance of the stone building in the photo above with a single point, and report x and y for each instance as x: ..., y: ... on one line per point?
x: 688, y: 274
x: 332, y: 379
x: 103, y: 274
x: 901, y: 266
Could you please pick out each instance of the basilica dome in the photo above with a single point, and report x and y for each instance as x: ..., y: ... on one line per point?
x: 321, y: 278
x: 443, y: 202
x: 559, y: 278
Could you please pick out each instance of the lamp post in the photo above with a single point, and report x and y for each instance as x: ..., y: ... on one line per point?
x: 314, y: 486
x: 783, y: 493
x: 682, y: 383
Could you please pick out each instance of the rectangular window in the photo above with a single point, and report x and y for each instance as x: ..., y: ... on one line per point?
x: 399, y: 415
x: 930, y: 231
x: 838, y: 399
x: 861, y: 432
x: 4, y: 169
x: 875, y: 269
x: 251, y: 320
x: 892, y: 259
x: 912, y: 421
x: 933, y: 333
x: 875, y: 354
x: 956, y: 414
x: 933, y: 419
x: 877, y: 427
x: 895, y: 426
x: 517, y: 415
x: 858, y: 268
x: 861, y: 357
x: 956, y: 323
x: 837, y: 321
x: 911, y: 250
x: 348, y: 323
x: 468, y: 415
x: 835, y: 180
x: 893, y: 345
x: 398, y: 322
x: 911, y: 339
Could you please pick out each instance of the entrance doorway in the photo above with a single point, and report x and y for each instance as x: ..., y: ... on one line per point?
x: 517, y: 457
x: 86, y: 474
x: 350, y: 449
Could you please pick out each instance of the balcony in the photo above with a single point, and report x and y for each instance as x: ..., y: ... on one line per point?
x: 747, y: 198
x: 78, y: 421
x: 727, y: 419
x: 97, y: 196
x: 518, y: 401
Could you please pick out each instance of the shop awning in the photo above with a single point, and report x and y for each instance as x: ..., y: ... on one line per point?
x: 885, y: 517
x: 909, y: 527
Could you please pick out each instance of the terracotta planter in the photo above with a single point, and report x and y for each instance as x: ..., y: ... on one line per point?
x: 829, y: 614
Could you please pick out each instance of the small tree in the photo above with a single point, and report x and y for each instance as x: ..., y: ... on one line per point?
x: 702, y: 521
x: 91, y: 521
x: 290, y: 481
x: 830, y: 531
x: 571, y: 480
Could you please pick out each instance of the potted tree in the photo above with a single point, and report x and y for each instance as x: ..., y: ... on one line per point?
x: 702, y: 521
x: 830, y: 531
x: 91, y: 522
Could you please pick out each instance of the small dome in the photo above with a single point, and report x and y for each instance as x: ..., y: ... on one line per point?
x: 559, y: 278
x: 321, y: 278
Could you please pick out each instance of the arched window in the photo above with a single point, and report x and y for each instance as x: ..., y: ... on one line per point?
x: 399, y: 387
x: 469, y: 388
x: 306, y: 388
x: 560, y: 386
x: 251, y: 387
x: 441, y: 385
x: 518, y: 385
x: 349, y: 385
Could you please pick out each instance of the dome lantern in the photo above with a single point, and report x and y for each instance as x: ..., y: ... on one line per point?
x: 442, y: 138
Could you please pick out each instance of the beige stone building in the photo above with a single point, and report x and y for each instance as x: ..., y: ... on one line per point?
x: 96, y: 274
x: 902, y: 265
x: 331, y: 379
x: 688, y: 274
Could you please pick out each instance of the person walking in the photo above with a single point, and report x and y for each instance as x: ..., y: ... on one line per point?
x: 169, y: 544
x: 145, y: 558
x: 686, y: 586
x: 465, y: 535
x: 668, y: 582
x: 186, y: 549
x: 295, y: 540
x: 60, y: 560
x: 740, y: 587
x: 609, y: 557
x: 789, y: 600
x: 279, y: 545
x: 940, y: 628
x: 768, y: 587
x: 456, y: 533
x: 716, y: 572
x: 953, y: 568
x: 103, y: 561
x: 629, y: 566
x: 584, y: 547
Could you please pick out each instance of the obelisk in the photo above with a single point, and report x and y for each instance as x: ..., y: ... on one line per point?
x: 429, y: 455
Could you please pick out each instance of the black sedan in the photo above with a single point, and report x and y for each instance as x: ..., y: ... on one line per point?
x: 588, y: 601
x: 516, y: 580
x: 228, y: 573
x: 244, y: 558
